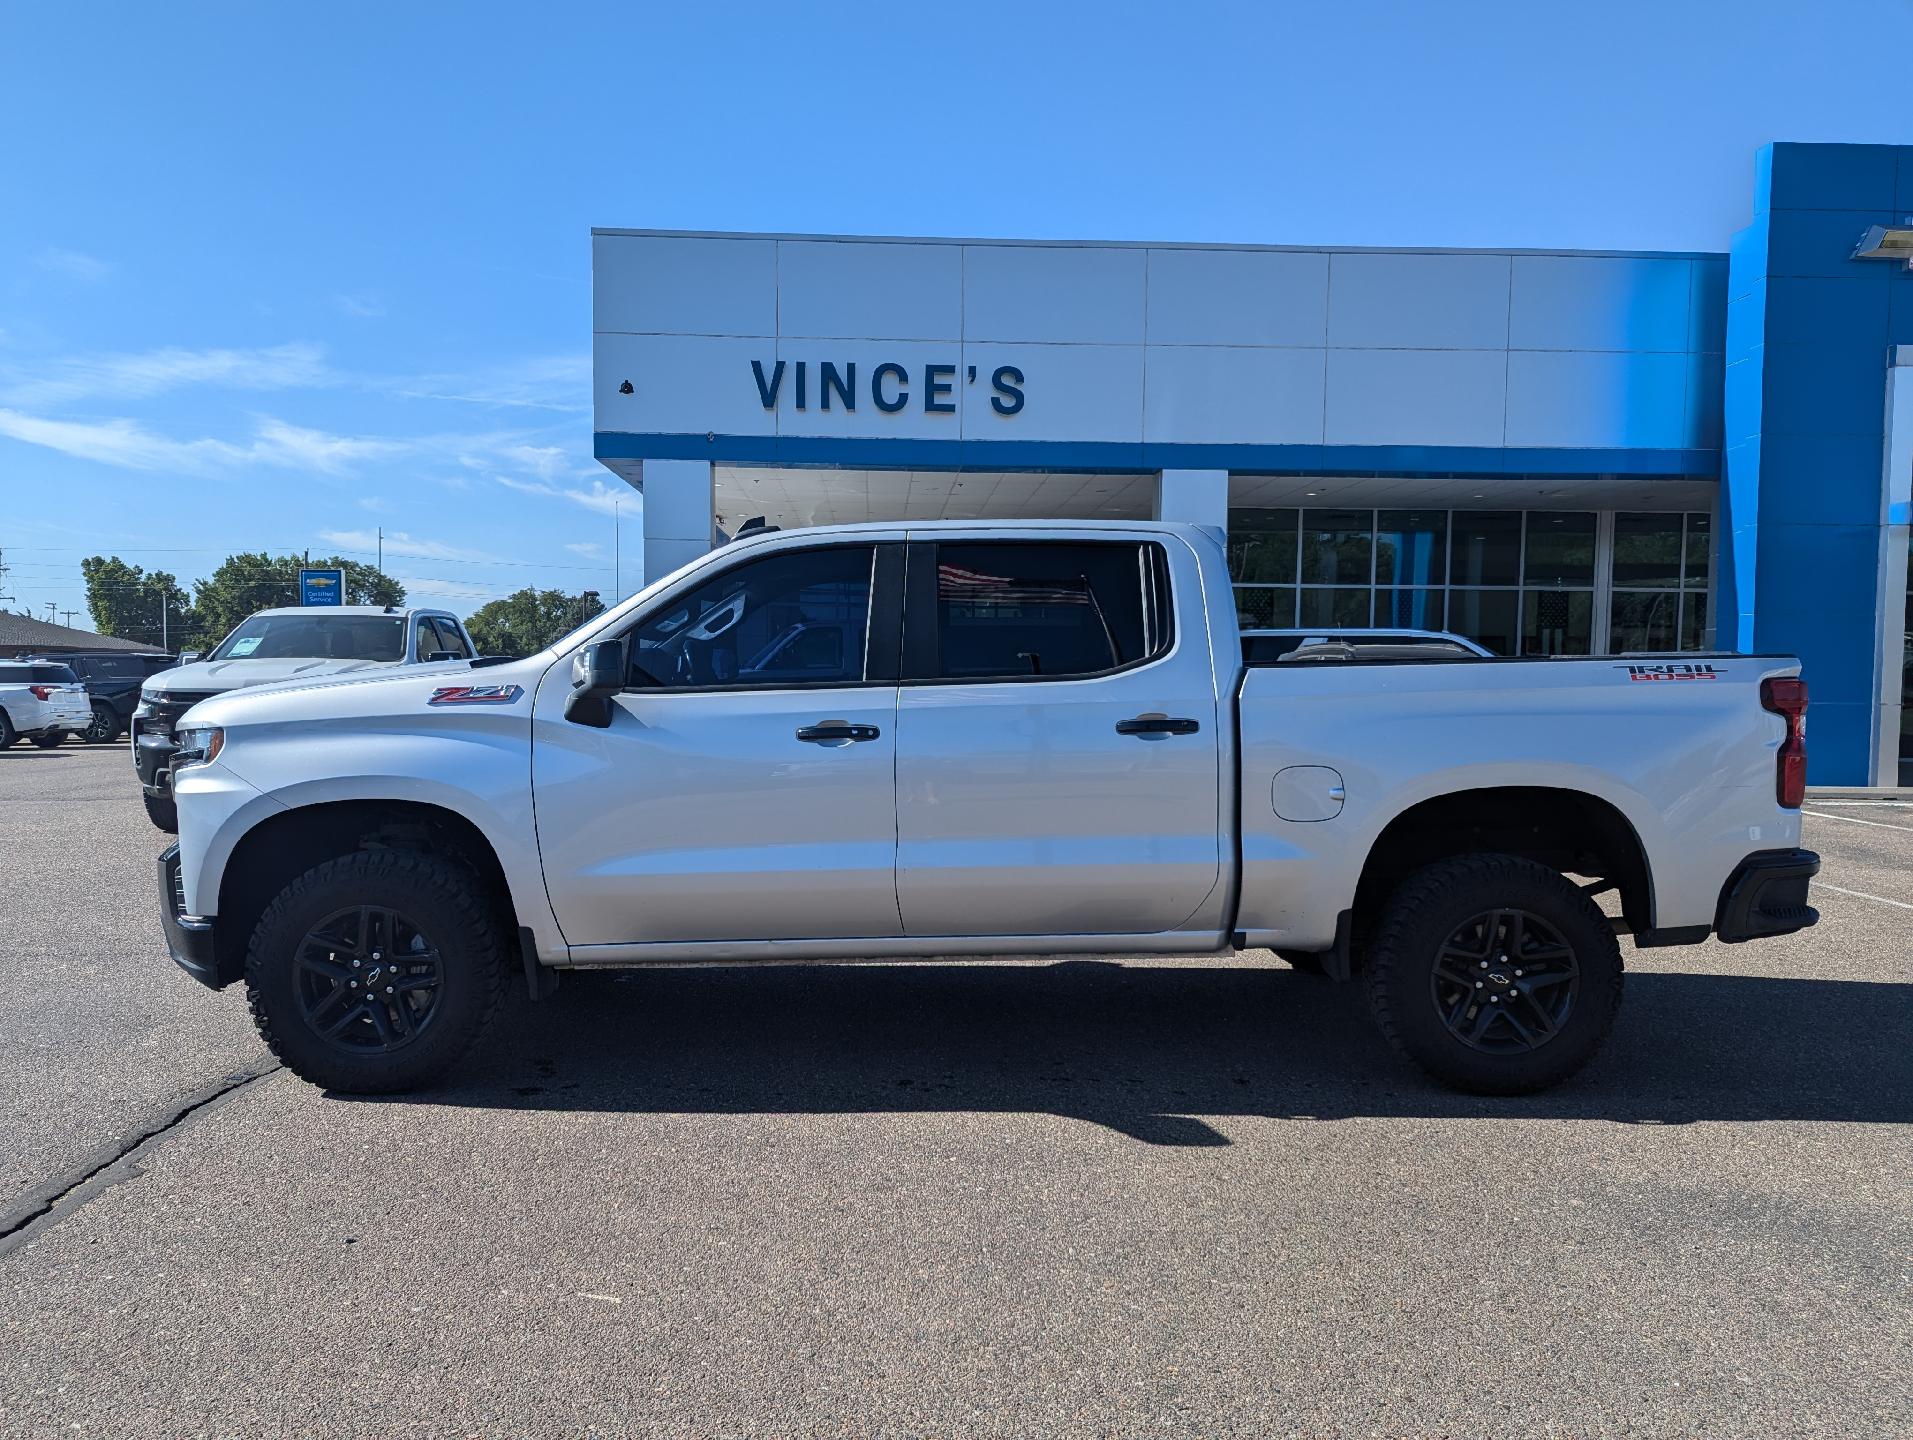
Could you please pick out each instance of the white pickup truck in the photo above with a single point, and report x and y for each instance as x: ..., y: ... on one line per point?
x: 977, y: 739
x: 268, y: 646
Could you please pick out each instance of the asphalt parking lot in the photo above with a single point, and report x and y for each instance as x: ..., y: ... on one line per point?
x: 1079, y: 1198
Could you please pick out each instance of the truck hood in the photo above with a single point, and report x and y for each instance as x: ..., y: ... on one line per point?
x: 364, y: 692
x: 219, y: 676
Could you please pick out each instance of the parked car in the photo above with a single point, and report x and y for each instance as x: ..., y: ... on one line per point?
x: 41, y: 702
x: 1047, y: 739
x: 112, y: 683
x: 291, y: 643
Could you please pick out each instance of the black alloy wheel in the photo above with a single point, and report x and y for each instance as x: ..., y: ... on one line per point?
x: 105, y: 727
x: 369, y: 980
x: 1494, y: 973
x: 1505, y: 982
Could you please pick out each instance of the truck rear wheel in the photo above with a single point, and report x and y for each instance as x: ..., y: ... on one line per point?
x: 376, y: 972
x: 1494, y: 974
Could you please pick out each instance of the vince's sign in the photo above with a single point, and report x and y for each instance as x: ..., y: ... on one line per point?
x: 891, y: 386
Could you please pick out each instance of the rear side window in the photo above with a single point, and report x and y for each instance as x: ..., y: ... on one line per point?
x: 15, y: 674
x: 54, y: 675
x: 112, y: 667
x: 1055, y: 611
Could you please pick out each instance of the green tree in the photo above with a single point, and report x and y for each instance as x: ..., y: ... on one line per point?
x: 528, y: 621
x: 256, y: 581
x: 131, y: 603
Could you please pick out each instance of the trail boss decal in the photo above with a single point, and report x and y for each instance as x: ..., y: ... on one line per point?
x: 1671, y: 672
x: 475, y: 694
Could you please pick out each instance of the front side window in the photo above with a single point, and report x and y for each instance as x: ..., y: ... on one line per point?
x: 451, y: 639
x: 800, y: 617
x: 1014, y: 611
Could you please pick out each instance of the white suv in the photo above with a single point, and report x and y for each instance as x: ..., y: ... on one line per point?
x: 41, y: 702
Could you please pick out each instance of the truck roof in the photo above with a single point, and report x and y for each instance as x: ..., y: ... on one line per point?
x: 353, y: 610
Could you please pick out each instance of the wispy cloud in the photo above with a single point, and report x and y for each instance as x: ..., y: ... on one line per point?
x: 605, y: 499
x: 587, y: 549
x: 360, y: 307
x: 131, y: 446
x: 432, y: 588
x: 550, y: 382
x: 152, y: 372
x: 376, y: 504
x: 74, y: 264
x: 397, y: 542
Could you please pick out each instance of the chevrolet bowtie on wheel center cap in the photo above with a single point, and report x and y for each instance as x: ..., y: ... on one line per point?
x: 368, y: 979
x: 1505, y: 982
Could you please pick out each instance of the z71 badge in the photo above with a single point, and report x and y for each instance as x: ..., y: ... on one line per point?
x: 475, y: 694
x: 1671, y: 672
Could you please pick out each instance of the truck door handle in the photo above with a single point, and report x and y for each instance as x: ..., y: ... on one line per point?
x: 1158, y: 725
x: 836, y: 732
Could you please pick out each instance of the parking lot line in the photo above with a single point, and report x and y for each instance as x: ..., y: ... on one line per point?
x: 1856, y: 820
x: 1861, y: 894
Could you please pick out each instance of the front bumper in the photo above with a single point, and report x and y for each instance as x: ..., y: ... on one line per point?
x: 1767, y: 895
x: 153, y: 753
x: 189, y: 938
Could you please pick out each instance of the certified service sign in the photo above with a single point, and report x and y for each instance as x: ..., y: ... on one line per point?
x: 322, y: 587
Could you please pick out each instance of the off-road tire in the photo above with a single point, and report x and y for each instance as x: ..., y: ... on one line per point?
x: 445, y: 901
x: 162, y: 812
x: 1419, y: 919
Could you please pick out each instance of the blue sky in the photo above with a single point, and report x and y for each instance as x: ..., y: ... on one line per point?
x: 272, y: 276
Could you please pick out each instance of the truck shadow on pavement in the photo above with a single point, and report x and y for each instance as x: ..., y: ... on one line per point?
x: 1157, y: 1052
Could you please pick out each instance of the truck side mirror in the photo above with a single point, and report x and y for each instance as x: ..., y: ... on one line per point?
x: 597, y: 673
x: 187, y: 657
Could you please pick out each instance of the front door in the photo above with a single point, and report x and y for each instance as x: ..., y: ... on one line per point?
x: 1057, y: 751
x: 745, y: 788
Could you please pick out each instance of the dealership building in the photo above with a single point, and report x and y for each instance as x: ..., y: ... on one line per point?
x: 1552, y: 451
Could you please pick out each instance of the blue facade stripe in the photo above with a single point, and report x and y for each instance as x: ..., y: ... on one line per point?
x: 886, y: 453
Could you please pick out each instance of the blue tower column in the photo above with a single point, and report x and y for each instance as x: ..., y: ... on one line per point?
x: 1809, y: 331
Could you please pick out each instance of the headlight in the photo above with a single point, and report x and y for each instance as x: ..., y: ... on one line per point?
x: 198, y: 744
x: 145, y: 710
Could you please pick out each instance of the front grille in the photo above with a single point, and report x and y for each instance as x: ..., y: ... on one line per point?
x: 168, y: 710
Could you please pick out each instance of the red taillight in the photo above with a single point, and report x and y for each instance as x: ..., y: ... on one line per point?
x: 1788, y: 699
x: 42, y: 692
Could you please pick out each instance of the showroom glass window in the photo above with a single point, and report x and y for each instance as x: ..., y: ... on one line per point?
x: 797, y: 617
x: 1518, y: 582
x: 1662, y: 564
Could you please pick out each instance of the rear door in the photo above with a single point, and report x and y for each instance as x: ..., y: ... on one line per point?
x: 1057, y: 749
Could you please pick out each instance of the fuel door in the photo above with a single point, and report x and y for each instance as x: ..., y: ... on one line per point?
x: 1308, y: 792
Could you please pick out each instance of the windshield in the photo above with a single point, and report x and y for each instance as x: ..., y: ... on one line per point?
x: 315, y: 637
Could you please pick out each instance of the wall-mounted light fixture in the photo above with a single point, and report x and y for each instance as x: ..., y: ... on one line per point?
x: 1887, y: 242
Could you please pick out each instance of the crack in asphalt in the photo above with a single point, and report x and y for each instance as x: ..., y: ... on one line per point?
x: 50, y: 1202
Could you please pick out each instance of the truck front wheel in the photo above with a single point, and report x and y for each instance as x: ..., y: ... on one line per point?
x: 374, y: 973
x: 1494, y: 974
x: 163, y: 811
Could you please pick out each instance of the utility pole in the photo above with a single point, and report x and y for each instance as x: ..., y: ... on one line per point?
x: 617, y: 554
x: 68, y: 617
x: 381, y: 550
